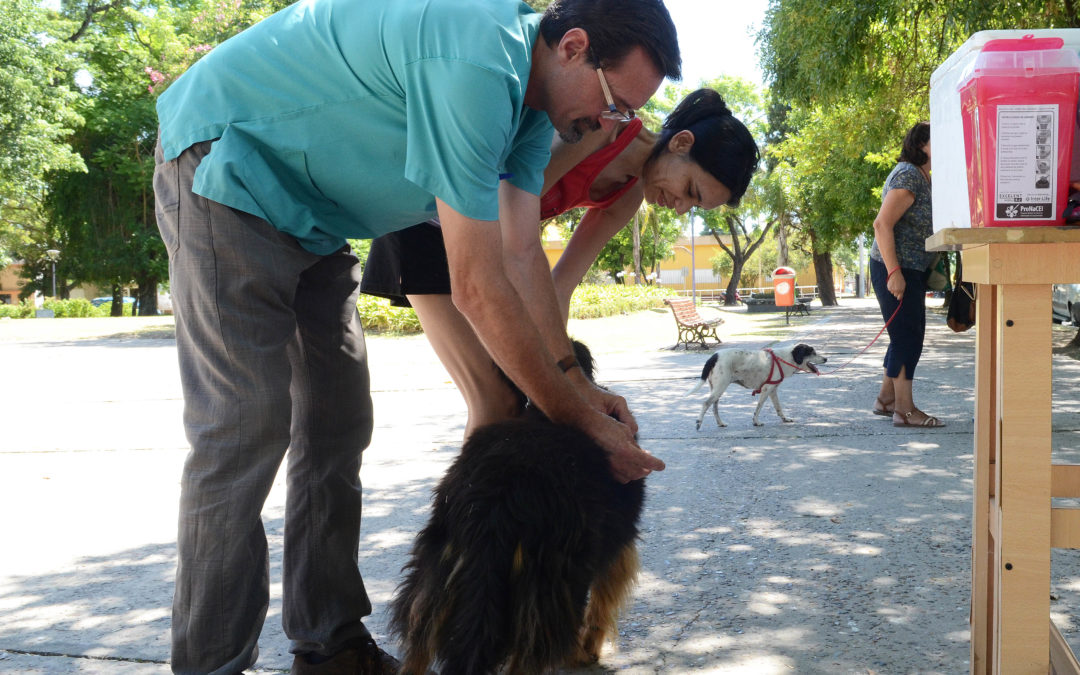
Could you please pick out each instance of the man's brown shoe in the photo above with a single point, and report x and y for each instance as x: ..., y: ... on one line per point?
x: 364, y: 658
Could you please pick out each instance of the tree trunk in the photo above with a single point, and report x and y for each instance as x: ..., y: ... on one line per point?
x: 823, y: 268
x: 733, y: 283
x: 656, y: 259
x: 147, y: 298
x: 782, y: 252
x: 638, y: 277
x: 117, y: 308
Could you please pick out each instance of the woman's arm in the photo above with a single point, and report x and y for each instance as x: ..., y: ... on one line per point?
x: 897, y: 201
x: 594, y: 230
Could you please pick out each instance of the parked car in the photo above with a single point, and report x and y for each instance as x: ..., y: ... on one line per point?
x: 98, y: 302
x: 1065, y: 304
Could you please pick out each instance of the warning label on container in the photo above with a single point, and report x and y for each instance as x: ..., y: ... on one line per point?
x: 1027, y: 154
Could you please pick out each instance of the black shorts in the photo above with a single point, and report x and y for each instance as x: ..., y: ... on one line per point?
x: 407, y: 262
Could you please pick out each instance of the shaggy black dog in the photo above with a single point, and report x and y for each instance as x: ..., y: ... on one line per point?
x: 528, y: 556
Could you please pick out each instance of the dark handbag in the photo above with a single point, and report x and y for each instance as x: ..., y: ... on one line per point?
x: 961, y: 312
x: 960, y: 315
x: 936, y: 276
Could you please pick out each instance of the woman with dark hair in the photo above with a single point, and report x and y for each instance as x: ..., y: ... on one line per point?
x: 703, y: 156
x: 898, y: 265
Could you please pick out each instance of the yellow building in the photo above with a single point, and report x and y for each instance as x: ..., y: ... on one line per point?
x: 10, y: 284
x: 674, y: 272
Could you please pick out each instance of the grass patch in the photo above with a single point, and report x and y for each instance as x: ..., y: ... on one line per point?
x: 77, y: 308
x: 379, y: 317
x: 600, y: 300
x: 588, y: 302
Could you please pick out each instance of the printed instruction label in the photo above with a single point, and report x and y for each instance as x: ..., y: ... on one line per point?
x: 1027, y: 155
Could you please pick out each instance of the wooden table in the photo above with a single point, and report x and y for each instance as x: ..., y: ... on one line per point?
x: 1014, y: 525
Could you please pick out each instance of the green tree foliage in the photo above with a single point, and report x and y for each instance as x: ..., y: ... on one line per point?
x: 36, y: 116
x: 747, y: 225
x: 820, y: 51
x: 849, y: 77
x: 765, y: 259
x: 658, y: 230
x: 104, y: 216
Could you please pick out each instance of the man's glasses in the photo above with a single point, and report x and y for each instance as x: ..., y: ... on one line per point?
x: 612, y: 113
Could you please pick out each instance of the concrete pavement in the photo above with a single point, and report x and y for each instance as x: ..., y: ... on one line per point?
x: 837, y: 544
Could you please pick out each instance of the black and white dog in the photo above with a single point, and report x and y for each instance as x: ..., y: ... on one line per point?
x: 761, y: 370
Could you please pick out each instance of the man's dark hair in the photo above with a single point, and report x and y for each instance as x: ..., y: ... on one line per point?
x: 615, y: 27
x: 911, y: 151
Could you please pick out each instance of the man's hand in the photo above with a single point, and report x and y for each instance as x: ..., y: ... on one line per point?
x: 627, y: 459
x: 602, y: 400
x: 615, y: 429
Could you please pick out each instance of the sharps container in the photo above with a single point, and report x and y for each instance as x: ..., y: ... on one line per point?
x: 1019, y: 113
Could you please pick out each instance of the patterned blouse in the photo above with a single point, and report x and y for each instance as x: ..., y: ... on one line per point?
x: 916, y: 224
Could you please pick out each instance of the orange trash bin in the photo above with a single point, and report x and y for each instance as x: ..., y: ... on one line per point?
x: 784, y: 286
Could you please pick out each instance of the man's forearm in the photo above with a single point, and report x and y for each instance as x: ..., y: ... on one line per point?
x: 489, y: 300
x: 519, y: 348
x: 531, y: 276
x: 527, y: 266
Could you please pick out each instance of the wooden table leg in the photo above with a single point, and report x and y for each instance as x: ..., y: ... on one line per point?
x: 982, y: 545
x: 1022, y: 547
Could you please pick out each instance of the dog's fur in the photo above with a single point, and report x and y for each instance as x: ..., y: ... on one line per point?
x: 528, y: 556
x: 752, y: 369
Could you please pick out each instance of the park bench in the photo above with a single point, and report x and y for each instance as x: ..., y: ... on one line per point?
x: 766, y: 302
x: 801, y: 306
x: 692, y: 327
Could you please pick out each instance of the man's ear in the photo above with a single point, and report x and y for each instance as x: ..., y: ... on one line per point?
x: 574, y: 44
x: 681, y: 142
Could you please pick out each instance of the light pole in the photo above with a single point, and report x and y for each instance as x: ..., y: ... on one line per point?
x: 53, y: 255
x: 693, y: 272
x: 693, y: 262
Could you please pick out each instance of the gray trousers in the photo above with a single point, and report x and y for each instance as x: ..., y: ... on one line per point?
x: 272, y: 357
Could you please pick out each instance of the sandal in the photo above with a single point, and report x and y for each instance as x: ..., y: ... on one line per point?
x: 929, y: 422
x: 884, y: 410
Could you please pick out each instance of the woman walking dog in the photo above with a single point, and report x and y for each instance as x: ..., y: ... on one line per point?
x: 703, y: 156
x: 898, y: 263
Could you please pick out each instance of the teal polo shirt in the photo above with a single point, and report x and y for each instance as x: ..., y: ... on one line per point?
x: 346, y: 118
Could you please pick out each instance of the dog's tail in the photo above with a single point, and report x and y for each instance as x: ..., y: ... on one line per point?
x: 705, y: 373
x: 452, y: 605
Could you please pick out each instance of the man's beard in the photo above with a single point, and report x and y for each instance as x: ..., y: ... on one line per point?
x: 578, y: 128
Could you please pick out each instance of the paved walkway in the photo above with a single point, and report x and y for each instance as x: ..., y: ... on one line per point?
x: 837, y: 544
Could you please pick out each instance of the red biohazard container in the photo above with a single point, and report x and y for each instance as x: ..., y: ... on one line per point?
x: 1019, y: 114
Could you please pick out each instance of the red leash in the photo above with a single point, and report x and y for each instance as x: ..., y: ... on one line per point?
x: 871, y: 342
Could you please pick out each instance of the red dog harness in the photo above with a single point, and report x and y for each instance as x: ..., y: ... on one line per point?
x: 774, y: 365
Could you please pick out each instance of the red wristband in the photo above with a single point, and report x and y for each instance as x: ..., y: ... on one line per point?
x: 894, y: 271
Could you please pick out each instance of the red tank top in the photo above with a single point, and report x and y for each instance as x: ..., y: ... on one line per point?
x: 572, y: 190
